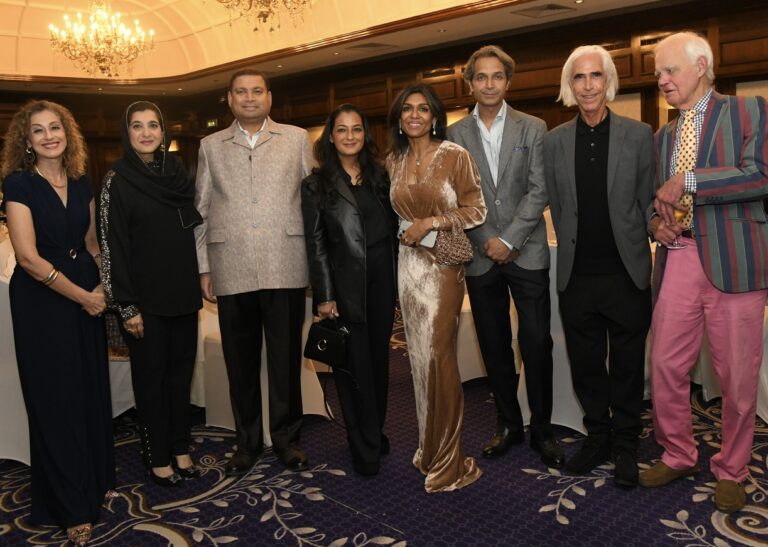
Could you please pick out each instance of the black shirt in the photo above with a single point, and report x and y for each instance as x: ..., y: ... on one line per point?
x: 375, y: 221
x: 596, y: 251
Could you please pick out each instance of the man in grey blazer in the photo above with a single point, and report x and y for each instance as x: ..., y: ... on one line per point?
x: 599, y: 171
x: 511, y: 254
x: 250, y: 251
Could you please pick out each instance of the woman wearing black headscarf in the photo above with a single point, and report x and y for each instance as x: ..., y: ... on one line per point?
x: 150, y: 276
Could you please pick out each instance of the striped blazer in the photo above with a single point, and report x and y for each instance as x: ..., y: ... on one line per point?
x: 732, y: 181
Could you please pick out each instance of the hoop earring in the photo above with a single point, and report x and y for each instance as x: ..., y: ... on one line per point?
x: 29, y: 155
x: 434, y: 125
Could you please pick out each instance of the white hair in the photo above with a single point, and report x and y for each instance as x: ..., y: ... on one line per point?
x: 609, y: 69
x: 694, y: 46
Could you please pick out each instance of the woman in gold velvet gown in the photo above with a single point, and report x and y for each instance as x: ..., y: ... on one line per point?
x: 430, y: 178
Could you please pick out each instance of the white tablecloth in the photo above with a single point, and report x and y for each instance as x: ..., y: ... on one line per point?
x: 14, y: 434
x: 566, y: 409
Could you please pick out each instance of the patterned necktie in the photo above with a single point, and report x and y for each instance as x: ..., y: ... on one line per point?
x: 686, y: 161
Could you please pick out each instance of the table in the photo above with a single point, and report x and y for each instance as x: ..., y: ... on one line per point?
x: 209, y: 384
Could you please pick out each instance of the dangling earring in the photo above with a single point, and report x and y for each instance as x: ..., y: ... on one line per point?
x: 29, y: 154
x: 434, y: 124
x: 162, y: 147
x: 400, y: 128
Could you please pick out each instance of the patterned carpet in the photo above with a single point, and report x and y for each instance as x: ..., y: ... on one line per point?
x: 517, y: 502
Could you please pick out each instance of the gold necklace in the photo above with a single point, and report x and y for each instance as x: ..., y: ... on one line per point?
x: 48, y: 180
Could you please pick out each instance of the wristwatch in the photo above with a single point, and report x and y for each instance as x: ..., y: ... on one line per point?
x: 435, y: 223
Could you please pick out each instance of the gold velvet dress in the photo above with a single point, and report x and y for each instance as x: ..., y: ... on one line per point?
x: 431, y: 296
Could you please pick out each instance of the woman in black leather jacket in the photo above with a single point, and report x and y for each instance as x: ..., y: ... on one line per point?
x: 350, y: 235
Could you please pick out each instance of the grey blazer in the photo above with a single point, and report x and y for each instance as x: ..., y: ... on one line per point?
x: 516, y: 203
x: 252, y: 236
x: 631, y: 169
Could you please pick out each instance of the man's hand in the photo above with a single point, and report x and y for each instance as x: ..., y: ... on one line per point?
x: 663, y: 233
x: 668, y: 198
x: 497, y: 250
x: 206, y: 285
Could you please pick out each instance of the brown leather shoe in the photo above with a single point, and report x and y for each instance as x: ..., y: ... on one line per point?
x: 661, y: 474
x: 729, y: 496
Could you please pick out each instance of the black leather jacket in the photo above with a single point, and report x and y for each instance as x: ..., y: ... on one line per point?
x: 336, y: 248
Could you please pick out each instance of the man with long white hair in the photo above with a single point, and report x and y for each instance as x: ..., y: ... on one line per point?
x: 713, y: 263
x: 599, y: 169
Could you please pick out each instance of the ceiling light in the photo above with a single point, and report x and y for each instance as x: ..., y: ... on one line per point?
x: 102, y: 45
x: 264, y: 12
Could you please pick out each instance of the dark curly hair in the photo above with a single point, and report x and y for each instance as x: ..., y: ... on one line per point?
x: 16, y: 138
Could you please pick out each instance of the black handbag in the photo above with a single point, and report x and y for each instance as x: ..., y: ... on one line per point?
x: 327, y: 343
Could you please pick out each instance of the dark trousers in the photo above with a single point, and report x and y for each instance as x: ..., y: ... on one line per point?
x: 162, y: 363
x: 489, y: 295
x: 363, y: 390
x: 279, y: 314
x: 607, y: 316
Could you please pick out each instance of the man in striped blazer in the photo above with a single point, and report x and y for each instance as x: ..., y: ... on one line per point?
x: 717, y: 281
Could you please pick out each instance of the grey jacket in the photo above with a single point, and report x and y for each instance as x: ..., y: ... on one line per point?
x: 631, y: 169
x: 516, y: 203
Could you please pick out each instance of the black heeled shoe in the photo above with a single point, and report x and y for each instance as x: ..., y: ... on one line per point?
x: 187, y: 473
x: 171, y: 481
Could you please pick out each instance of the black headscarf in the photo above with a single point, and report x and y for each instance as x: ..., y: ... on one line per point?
x: 164, y: 179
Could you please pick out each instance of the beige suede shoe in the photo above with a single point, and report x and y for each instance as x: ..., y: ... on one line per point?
x: 729, y: 496
x: 661, y: 474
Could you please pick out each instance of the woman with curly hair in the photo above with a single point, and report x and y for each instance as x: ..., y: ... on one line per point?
x: 350, y: 234
x: 56, y: 305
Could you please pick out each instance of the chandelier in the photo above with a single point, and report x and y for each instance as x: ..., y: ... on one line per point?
x: 103, y: 44
x: 266, y: 12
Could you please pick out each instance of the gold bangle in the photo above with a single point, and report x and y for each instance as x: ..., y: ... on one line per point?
x: 51, y: 277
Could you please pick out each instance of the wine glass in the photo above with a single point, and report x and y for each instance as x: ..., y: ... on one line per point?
x: 679, y: 215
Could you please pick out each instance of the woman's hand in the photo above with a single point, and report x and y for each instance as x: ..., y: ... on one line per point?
x: 93, y: 302
x: 328, y: 310
x: 416, y: 231
x: 135, y: 326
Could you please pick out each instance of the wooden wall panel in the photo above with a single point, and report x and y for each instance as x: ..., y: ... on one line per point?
x: 737, y: 30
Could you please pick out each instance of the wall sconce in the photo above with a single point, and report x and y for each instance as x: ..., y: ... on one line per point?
x: 173, y: 146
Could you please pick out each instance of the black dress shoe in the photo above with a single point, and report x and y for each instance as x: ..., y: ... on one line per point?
x: 240, y: 463
x: 550, y: 451
x: 626, y: 474
x: 502, y: 441
x: 293, y: 457
x: 367, y: 469
x: 187, y: 473
x: 594, y: 451
x: 166, y: 482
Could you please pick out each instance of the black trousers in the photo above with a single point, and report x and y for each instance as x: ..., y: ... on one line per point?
x: 489, y: 296
x: 607, y: 316
x: 279, y: 314
x: 363, y: 390
x: 162, y: 363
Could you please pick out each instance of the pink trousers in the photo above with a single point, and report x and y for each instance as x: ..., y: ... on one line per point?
x: 687, y: 304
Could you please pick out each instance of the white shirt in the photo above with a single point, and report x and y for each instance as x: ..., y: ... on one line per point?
x: 252, y: 139
x: 491, y: 138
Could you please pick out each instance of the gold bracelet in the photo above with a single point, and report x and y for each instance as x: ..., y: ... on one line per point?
x: 51, y: 277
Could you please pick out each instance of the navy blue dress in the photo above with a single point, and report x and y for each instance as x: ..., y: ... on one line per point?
x: 61, y: 353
